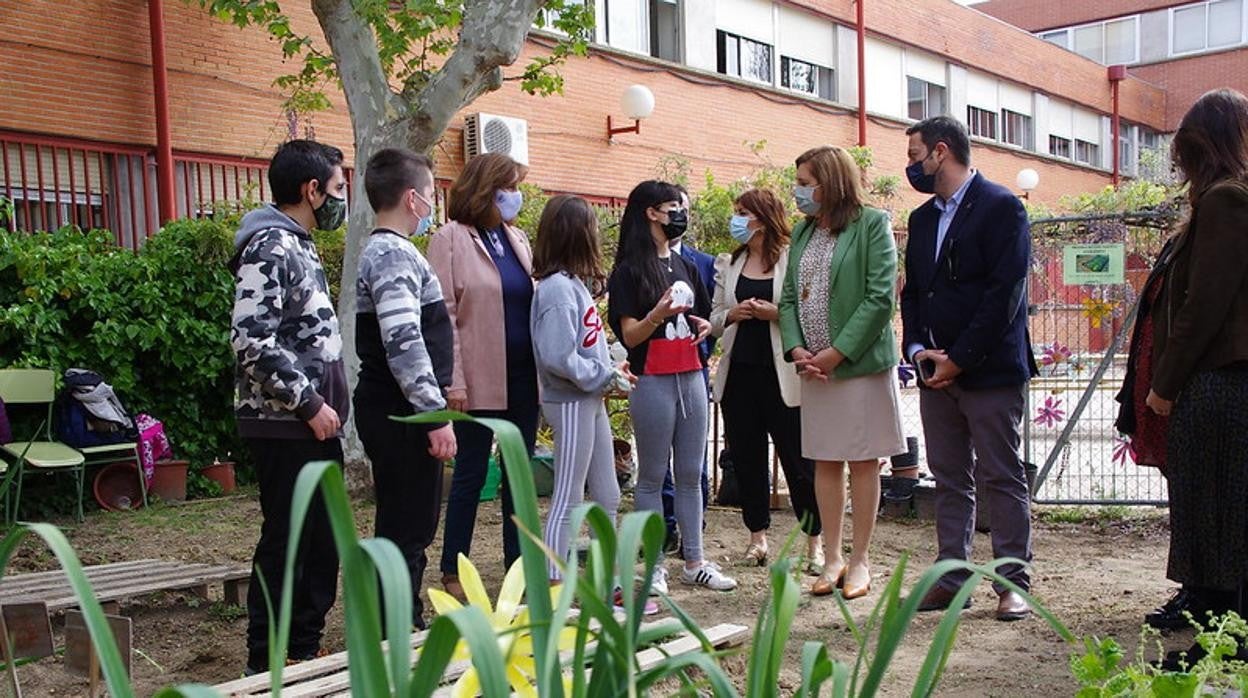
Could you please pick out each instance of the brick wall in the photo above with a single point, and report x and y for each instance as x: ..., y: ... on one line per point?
x: 1187, y: 79
x: 1037, y: 15
x: 222, y: 99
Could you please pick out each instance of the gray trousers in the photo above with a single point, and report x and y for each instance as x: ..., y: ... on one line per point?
x: 669, y: 422
x: 583, y: 456
x: 969, y: 429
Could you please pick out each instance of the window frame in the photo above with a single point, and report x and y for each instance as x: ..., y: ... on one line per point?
x: 722, y: 38
x: 1029, y: 124
x: 1205, y: 48
x: 927, y: 98
x: 971, y: 122
x: 787, y: 61
x: 1070, y: 147
x: 1095, y: 151
x: 1069, y: 31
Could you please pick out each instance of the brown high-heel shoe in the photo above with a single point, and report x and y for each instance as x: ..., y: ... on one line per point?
x: 450, y: 583
x: 756, y: 555
x: 851, y: 591
x: 828, y: 582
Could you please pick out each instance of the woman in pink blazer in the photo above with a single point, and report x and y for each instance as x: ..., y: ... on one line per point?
x: 484, y: 266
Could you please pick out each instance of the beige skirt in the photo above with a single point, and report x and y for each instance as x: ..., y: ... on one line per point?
x: 852, y: 419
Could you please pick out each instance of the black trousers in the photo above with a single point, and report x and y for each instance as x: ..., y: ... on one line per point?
x: 407, y: 482
x: 315, y: 586
x: 753, y: 410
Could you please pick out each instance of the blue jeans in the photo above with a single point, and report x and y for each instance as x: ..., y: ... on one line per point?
x: 475, y: 443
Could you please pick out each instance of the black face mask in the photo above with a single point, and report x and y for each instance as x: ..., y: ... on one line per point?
x: 677, y: 223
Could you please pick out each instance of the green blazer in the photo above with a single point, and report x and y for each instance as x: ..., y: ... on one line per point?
x: 862, y: 294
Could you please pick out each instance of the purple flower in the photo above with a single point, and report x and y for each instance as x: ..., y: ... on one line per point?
x: 1054, y: 354
x: 1123, y: 450
x: 1050, y: 414
x: 905, y: 374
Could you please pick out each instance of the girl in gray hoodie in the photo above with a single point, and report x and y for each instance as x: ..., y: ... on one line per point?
x: 574, y: 367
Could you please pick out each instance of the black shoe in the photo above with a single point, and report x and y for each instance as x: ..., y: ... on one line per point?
x: 1181, y: 660
x: 672, y: 543
x: 1170, y: 615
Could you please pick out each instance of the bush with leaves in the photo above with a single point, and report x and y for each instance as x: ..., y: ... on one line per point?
x: 155, y: 323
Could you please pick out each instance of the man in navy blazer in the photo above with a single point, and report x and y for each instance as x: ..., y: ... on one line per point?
x: 964, y: 326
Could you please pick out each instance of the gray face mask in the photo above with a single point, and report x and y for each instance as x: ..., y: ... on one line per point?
x: 331, y: 214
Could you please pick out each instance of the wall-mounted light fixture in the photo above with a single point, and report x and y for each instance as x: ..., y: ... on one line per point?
x: 1027, y: 180
x: 637, y: 102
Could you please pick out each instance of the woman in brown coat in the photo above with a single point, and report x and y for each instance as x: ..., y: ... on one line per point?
x: 1200, y: 374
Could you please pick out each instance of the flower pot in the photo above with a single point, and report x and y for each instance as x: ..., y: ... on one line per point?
x: 169, y: 481
x: 222, y: 474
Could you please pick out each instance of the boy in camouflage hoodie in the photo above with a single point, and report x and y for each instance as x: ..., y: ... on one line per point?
x: 291, y: 392
x: 406, y: 347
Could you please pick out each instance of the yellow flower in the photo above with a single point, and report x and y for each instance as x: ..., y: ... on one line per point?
x: 1097, y: 310
x: 511, y: 625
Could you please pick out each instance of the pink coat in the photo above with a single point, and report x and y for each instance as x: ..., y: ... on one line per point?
x: 474, y: 299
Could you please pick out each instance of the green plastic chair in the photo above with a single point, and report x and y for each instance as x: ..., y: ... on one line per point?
x: 35, y: 386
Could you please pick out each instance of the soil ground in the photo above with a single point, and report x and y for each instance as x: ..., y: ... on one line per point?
x: 1098, y: 570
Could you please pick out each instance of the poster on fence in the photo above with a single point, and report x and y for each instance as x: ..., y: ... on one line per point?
x: 1099, y: 265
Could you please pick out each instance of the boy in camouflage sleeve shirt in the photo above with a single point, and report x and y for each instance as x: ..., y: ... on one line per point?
x: 405, y: 344
x: 291, y: 390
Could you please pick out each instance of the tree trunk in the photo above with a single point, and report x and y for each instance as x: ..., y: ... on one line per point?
x: 491, y: 36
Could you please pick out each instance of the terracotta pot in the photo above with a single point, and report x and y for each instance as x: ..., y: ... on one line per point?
x: 221, y: 473
x: 169, y: 481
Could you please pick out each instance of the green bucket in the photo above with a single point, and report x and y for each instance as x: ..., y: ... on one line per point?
x: 493, y: 476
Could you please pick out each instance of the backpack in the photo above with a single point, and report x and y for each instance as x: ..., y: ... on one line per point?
x: 88, y: 413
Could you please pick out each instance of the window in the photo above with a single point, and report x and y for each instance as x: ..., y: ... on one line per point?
x: 744, y: 58
x: 1087, y: 153
x: 1126, y: 151
x: 1206, y: 25
x: 982, y: 122
x: 924, y: 99
x: 1109, y: 43
x: 1016, y: 129
x: 665, y: 30
x: 1060, y: 37
x: 1149, y: 139
x: 806, y: 77
x: 1059, y: 147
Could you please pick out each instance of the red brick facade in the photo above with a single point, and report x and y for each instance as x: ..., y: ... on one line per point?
x: 223, y: 101
x: 1188, y: 78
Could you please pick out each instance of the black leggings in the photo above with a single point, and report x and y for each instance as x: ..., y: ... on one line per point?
x: 753, y: 409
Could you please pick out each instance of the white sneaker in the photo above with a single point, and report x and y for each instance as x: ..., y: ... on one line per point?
x: 709, y: 576
x: 658, y: 585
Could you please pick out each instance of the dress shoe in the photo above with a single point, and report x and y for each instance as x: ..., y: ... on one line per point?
x: 853, y: 591
x: 1011, y: 606
x: 829, y: 581
x: 1170, y: 615
x: 938, y: 598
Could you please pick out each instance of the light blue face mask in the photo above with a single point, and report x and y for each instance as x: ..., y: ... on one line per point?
x: 805, y: 197
x: 423, y: 226
x: 739, y: 228
x: 509, y: 203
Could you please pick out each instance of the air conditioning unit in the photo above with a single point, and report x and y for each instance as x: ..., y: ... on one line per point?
x: 488, y: 133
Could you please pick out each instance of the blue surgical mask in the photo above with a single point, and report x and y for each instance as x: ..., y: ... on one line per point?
x: 508, y: 203
x: 739, y: 228
x: 423, y: 226
x: 805, y: 197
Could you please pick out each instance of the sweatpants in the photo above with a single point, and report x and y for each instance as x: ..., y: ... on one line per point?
x: 583, y: 457
x: 669, y: 422
x: 278, y: 463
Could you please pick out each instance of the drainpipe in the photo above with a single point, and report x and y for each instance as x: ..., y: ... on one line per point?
x: 862, y: 75
x: 1116, y: 74
x: 160, y: 86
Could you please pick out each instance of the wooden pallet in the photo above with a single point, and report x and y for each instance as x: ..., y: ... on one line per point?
x: 328, y: 676
x: 124, y: 580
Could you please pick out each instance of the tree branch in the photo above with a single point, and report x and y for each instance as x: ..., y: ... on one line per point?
x: 359, y: 67
x: 491, y: 36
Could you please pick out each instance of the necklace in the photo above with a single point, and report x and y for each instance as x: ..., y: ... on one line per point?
x: 667, y: 262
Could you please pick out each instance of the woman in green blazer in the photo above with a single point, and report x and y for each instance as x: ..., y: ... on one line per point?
x: 836, y: 313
